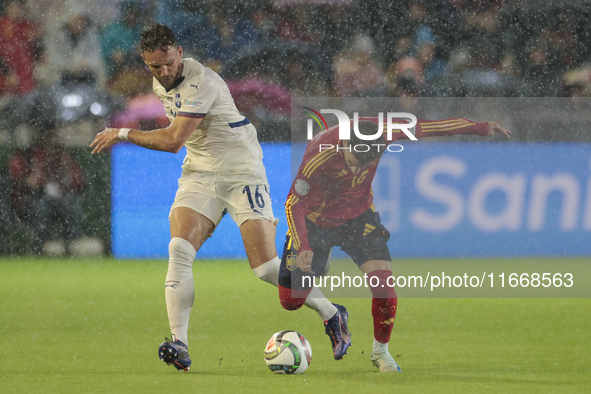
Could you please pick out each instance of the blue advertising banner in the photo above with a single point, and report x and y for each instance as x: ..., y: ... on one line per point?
x: 471, y: 199
x: 437, y: 200
x: 144, y: 184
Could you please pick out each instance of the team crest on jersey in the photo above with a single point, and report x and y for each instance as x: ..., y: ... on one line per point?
x: 177, y: 100
x: 194, y: 103
x: 302, y: 187
x: 292, y: 262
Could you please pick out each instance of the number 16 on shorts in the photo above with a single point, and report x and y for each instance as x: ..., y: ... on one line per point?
x: 257, y: 196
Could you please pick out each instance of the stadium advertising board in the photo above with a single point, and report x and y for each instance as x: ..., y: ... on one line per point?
x: 438, y: 200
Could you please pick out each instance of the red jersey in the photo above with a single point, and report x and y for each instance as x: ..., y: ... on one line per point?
x: 325, y: 190
x: 17, y: 41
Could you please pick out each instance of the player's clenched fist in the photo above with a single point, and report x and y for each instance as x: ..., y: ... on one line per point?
x: 105, y: 139
x: 305, y: 261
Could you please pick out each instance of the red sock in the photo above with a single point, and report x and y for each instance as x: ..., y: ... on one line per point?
x: 292, y: 299
x: 383, y: 306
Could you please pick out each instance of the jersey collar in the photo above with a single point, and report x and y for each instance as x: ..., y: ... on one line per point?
x: 175, y: 85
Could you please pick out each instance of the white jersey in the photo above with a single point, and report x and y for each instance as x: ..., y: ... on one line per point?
x: 225, y: 141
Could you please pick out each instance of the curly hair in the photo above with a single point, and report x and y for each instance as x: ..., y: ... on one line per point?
x: 157, y: 36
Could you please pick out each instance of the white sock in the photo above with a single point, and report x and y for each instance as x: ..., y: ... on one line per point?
x: 379, y: 346
x: 317, y: 301
x: 180, y: 289
x: 269, y: 272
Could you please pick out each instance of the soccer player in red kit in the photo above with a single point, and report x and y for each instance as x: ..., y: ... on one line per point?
x: 331, y: 204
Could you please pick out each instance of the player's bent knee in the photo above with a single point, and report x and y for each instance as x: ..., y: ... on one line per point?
x: 383, y: 288
x: 292, y: 300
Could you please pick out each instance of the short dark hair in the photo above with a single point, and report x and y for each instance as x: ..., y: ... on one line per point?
x: 157, y: 36
x: 367, y: 128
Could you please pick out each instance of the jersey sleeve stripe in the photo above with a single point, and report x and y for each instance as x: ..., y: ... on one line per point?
x: 429, y: 126
x: 191, y: 115
x: 289, y: 245
x: 319, y: 156
x: 443, y: 121
x: 324, y: 160
x: 456, y: 127
x: 292, y: 200
x: 243, y: 122
x: 440, y: 125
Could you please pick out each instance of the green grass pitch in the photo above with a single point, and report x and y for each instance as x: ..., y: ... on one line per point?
x: 93, y: 326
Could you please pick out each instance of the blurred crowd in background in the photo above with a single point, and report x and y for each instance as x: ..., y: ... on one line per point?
x: 69, y: 63
x: 269, y: 51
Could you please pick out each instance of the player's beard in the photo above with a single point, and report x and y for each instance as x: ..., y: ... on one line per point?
x: 167, y: 83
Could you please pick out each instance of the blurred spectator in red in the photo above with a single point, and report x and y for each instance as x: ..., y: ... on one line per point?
x: 46, y: 187
x: 356, y: 71
x: 18, y: 44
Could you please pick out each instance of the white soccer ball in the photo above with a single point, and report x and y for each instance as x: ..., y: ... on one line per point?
x: 288, y: 352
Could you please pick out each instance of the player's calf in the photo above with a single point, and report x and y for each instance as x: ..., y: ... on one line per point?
x: 384, y: 304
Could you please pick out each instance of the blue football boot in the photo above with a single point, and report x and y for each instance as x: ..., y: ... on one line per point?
x: 174, y: 352
x: 338, y: 331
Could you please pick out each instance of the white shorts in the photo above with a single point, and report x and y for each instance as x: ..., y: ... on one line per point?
x: 215, y: 195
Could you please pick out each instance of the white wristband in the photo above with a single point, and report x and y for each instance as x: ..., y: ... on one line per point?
x: 123, y: 134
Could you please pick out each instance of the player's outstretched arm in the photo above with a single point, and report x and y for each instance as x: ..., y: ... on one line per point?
x: 454, y: 126
x: 494, y: 128
x: 169, y: 139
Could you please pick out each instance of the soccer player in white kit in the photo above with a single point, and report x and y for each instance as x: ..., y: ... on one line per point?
x: 223, y: 172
